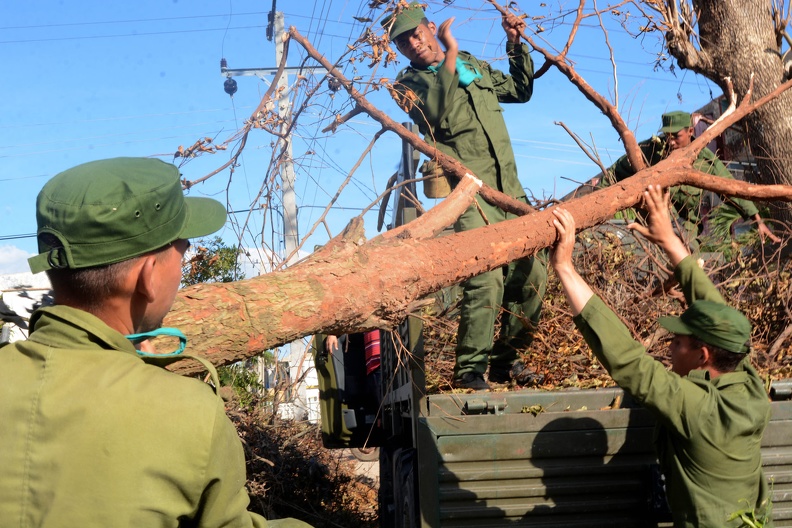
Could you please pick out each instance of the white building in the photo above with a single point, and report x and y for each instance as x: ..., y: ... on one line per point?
x: 20, y: 295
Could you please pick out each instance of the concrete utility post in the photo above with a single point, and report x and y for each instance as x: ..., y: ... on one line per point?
x: 286, y: 167
x: 290, y: 236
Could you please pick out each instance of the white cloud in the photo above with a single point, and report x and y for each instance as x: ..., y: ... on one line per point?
x: 13, y: 260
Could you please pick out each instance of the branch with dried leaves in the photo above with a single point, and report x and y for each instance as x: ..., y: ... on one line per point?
x: 352, y: 285
x: 265, y: 106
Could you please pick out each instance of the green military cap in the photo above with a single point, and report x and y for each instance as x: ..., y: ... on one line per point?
x: 673, y: 122
x: 714, y: 323
x: 112, y: 210
x: 405, y: 19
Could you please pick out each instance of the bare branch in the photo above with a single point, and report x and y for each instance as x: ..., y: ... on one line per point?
x: 612, y: 58
x: 263, y: 106
x: 441, y: 215
x: 610, y: 111
x: 341, y: 187
x: 583, y: 147
x: 340, y: 120
x: 731, y: 115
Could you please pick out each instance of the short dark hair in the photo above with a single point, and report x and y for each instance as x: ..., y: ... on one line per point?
x: 721, y: 360
x: 89, y: 287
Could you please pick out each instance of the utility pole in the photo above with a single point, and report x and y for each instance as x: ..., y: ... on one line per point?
x: 286, y: 165
x: 290, y: 236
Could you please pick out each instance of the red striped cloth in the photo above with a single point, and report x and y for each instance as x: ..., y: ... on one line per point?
x: 371, y: 342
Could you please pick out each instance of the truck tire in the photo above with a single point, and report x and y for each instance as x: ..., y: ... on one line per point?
x: 365, y: 454
x: 405, y: 492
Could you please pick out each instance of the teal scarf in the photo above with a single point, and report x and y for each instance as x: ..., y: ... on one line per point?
x: 466, y: 71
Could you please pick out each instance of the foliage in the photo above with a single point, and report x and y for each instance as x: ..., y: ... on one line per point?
x: 212, y: 261
x: 631, y: 276
x: 718, y: 234
x: 290, y: 474
x: 243, y: 381
x: 750, y: 518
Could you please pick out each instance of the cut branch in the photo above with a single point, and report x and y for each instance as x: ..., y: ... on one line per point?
x: 352, y: 285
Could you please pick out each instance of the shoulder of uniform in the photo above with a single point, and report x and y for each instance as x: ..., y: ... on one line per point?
x: 408, y: 73
x: 472, y: 59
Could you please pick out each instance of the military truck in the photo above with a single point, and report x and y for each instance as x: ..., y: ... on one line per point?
x: 571, y: 458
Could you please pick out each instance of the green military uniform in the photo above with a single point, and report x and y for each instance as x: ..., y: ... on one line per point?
x: 465, y: 121
x: 688, y: 201
x: 709, y: 431
x: 92, y: 436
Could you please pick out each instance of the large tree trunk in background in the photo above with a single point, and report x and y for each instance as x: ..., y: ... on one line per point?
x: 738, y: 39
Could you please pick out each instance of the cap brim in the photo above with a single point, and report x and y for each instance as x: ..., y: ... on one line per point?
x: 204, y: 217
x: 671, y: 129
x: 405, y: 28
x: 674, y: 325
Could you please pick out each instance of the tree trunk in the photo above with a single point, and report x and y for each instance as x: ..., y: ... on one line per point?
x: 738, y: 40
x: 351, y: 285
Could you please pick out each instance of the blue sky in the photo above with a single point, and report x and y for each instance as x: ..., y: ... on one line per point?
x: 86, y: 80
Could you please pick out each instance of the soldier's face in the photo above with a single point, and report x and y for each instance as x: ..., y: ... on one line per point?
x: 420, y: 45
x: 166, y: 277
x: 680, y: 139
x: 686, y: 355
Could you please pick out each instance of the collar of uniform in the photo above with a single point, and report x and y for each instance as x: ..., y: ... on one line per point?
x: 67, y: 327
x: 738, y: 376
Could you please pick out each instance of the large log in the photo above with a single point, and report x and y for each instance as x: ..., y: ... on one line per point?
x: 354, y: 285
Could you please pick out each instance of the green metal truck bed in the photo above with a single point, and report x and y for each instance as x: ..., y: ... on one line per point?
x: 566, y: 458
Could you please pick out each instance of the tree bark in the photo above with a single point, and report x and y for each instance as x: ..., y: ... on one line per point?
x: 353, y: 285
x: 737, y: 41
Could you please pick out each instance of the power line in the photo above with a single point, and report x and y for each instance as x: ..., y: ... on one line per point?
x: 131, y: 20
x: 143, y: 34
x: 16, y: 237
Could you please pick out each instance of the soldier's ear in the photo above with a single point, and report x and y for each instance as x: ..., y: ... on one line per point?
x: 705, y: 355
x: 145, y: 285
x: 432, y: 27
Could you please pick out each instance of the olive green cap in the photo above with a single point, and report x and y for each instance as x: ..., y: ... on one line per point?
x: 673, y: 122
x: 112, y: 210
x: 407, y: 19
x: 714, y: 323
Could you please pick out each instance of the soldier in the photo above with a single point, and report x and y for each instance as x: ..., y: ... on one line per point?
x: 712, y: 407
x: 689, y: 202
x: 94, y: 433
x: 455, y: 103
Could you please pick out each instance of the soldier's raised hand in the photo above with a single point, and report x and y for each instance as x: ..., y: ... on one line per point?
x: 512, y: 25
x: 448, y: 40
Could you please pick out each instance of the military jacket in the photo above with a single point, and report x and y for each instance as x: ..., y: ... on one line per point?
x: 92, y: 436
x: 687, y: 200
x: 466, y: 122
x: 709, y: 431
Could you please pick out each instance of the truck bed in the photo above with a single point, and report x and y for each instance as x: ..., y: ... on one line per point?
x: 566, y: 458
